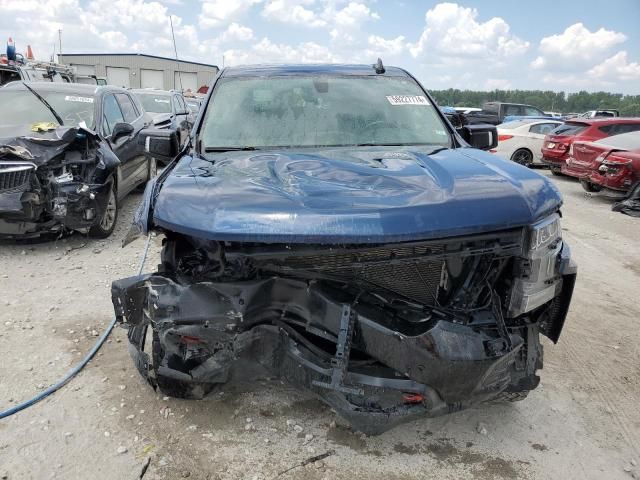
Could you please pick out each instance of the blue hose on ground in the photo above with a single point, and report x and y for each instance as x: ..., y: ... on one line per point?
x: 74, y: 371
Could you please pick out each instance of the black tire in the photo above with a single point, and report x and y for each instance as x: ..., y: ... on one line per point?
x: 107, y: 223
x: 523, y: 157
x: 556, y: 171
x: 590, y: 187
x: 511, y: 396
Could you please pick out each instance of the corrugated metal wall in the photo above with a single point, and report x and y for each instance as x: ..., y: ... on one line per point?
x: 205, y: 74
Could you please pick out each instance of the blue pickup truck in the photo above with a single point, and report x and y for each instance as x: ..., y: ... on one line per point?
x: 327, y: 224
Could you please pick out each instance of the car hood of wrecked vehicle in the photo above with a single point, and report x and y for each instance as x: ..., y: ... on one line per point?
x: 40, y: 147
x: 354, y: 195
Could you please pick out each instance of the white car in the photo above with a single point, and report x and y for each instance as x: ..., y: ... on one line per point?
x: 521, y: 140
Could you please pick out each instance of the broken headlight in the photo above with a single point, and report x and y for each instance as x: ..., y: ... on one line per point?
x: 545, y: 233
x: 537, y: 280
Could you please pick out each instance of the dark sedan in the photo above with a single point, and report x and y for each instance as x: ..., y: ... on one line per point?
x: 68, y: 154
x: 168, y: 111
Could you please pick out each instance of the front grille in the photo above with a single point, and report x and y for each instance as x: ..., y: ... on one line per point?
x: 405, y: 270
x: 14, y: 177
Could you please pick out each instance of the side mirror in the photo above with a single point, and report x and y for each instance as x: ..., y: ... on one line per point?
x: 481, y: 136
x: 162, y: 144
x: 121, y: 130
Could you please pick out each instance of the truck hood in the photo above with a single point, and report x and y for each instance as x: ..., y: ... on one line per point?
x: 349, y: 195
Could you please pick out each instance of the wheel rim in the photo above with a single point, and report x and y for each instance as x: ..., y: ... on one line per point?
x: 109, y: 216
x: 522, y: 157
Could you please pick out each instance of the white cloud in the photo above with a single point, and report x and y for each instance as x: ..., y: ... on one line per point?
x: 266, y: 51
x: 575, y: 48
x: 294, y: 12
x: 137, y: 14
x: 616, y: 67
x: 236, y: 32
x: 216, y: 13
x: 452, y: 31
x: 353, y: 15
x: 383, y: 46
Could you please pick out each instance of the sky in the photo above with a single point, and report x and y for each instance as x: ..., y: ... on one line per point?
x: 557, y: 45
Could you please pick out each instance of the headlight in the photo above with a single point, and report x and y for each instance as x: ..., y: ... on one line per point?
x: 545, y: 233
x: 538, y: 280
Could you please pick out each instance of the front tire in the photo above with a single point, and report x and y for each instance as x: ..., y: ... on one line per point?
x: 107, y: 223
x: 556, y: 171
x: 523, y: 157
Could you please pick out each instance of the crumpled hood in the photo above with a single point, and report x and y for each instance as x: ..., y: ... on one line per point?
x: 348, y: 195
x: 160, y: 117
x: 20, y: 143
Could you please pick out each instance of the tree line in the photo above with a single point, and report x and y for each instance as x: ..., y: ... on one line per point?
x: 628, y: 105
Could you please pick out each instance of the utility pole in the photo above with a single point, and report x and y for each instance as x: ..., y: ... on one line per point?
x: 59, y: 43
x: 222, y: 61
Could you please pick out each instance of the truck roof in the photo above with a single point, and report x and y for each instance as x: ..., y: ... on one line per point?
x: 310, y: 69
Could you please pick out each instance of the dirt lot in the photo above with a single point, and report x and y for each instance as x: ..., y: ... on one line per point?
x: 583, y: 422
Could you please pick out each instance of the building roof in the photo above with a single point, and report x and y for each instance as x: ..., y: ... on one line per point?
x: 135, y: 55
x: 310, y: 69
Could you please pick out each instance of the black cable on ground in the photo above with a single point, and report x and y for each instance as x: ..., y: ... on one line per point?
x: 75, y: 370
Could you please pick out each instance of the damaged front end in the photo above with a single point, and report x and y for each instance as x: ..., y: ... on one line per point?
x: 382, y: 333
x: 52, y: 181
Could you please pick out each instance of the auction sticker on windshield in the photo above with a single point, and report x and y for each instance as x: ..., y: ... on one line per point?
x: 73, y: 98
x: 407, y: 100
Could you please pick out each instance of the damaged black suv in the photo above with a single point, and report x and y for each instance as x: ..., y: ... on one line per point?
x: 68, y: 154
x: 328, y: 224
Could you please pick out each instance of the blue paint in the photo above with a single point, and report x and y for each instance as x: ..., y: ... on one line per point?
x: 343, y: 194
x: 350, y: 195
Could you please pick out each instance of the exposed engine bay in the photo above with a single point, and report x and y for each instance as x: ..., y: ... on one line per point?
x: 382, y: 333
x: 53, y: 181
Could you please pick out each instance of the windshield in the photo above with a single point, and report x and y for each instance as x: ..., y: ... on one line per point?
x: 21, y: 107
x: 154, y: 103
x: 320, y: 111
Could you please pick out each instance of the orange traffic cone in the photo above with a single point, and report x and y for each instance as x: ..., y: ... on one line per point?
x: 29, y: 53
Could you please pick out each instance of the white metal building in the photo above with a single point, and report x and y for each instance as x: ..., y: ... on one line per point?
x: 138, y: 70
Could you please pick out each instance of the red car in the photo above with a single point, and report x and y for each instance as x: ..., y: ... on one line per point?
x: 555, y: 149
x: 611, y: 164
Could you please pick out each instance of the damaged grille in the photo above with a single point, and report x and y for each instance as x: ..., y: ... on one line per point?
x: 405, y: 270
x: 14, y: 177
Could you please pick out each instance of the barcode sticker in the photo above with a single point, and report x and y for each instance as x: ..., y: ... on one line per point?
x: 408, y: 100
x: 73, y: 98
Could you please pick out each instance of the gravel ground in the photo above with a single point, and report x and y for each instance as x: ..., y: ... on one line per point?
x: 583, y: 422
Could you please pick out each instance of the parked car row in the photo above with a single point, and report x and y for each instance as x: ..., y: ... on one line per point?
x: 603, y: 153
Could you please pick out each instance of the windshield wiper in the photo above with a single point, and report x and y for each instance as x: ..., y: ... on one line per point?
x: 229, y: 149
x: 46, y: 104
